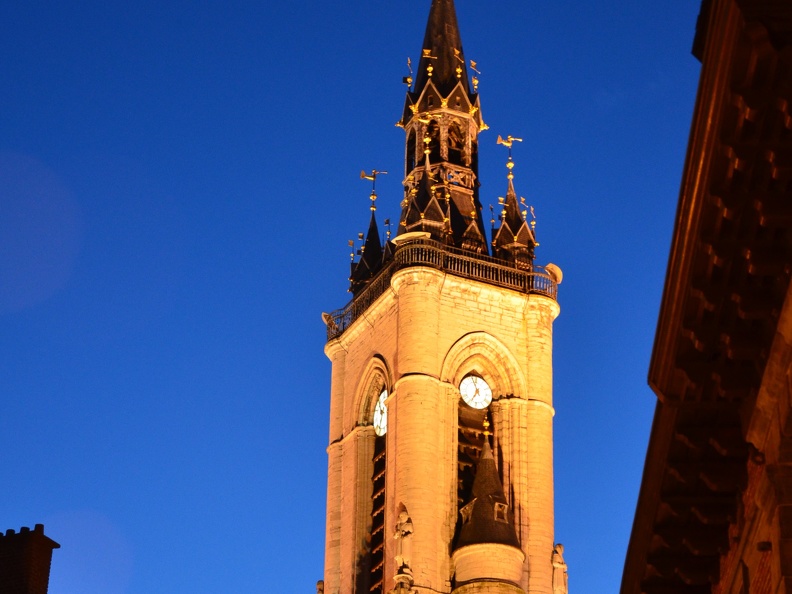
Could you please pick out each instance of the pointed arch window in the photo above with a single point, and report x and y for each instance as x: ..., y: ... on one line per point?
x: 377, y: 550
x: 371, y: 579
x: 433, y: 131
x: 456, y: 143
x: 410, y: 152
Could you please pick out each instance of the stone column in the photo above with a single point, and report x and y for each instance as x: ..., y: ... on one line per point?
x: 332, y: 564
x: 531, y: 450
x: 421, y: 434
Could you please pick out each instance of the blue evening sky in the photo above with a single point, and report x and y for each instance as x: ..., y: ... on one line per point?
x: 178, y: 182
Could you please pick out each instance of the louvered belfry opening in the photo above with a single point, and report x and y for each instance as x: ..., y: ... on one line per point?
x: 376, y: 582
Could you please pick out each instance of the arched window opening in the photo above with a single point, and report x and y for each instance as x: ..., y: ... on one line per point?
x: 471, y: 441
x: 433, y: 131
x: 376, y: 403
x: 410, y: 152
x: 456, y: 143
x: 372, y: 423
x: 376, y: 581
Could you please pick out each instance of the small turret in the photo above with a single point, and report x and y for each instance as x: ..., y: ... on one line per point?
x: 370, y: 260
x: 514, y: 240
x: 371, y: 252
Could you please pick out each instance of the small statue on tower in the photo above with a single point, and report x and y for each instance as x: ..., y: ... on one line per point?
x: 403, y: 536
x: 560, y: 576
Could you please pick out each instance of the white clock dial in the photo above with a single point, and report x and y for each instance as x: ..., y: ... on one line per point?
x: 475, y: 392
x: 381, y: 414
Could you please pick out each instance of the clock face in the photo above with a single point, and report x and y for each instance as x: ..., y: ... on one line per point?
x: 475, y: 392
x: 381, y: 414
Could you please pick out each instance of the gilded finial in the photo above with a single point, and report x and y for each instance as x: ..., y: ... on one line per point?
x: 427, y: 54
x: 487, y: 432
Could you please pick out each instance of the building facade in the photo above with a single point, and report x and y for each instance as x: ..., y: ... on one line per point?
x: 440, y: 456
x: 714, y: 513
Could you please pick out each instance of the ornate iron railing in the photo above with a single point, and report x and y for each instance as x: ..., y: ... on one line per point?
x: 425, y: 252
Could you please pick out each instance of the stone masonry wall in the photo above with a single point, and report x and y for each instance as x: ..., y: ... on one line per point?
x: 426, y: 333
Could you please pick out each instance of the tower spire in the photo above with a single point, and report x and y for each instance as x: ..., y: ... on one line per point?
x: 442, y: 121
x: 442, y: 59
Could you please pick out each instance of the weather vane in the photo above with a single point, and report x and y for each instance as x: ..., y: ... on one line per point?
x: 372, y: 177
x: 460, y: 59
x: 408, y: 80
x: 475, y: 78
x: 508, y: 141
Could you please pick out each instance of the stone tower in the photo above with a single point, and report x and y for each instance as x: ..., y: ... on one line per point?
x: 440, y: 470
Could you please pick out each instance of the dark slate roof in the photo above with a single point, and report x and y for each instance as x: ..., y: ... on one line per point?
x: 514, y: 239
x: 483, y: 527
x: 445, y: 44
x: 370, y: 258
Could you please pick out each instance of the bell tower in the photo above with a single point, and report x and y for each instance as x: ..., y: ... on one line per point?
x: 440, y: 455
